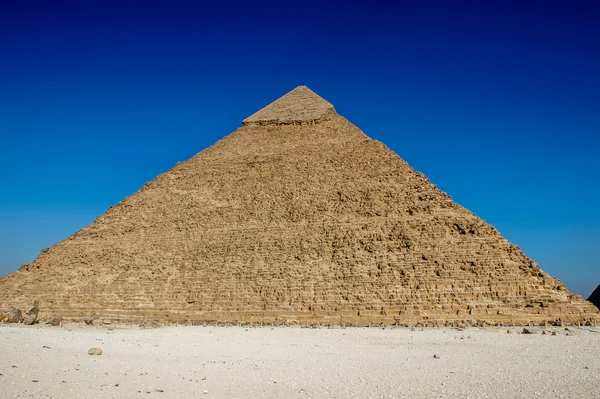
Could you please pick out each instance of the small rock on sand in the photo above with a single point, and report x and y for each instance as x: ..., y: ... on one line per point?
x: 529, y: 331
x: 54, y: 322
x: 95, y: 351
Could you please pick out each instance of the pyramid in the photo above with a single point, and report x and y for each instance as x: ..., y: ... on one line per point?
x: 595, y: 297
x: 297, y: 217
x: 301, y: 105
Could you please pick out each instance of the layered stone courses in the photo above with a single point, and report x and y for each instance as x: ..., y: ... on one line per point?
x: 292, y: 223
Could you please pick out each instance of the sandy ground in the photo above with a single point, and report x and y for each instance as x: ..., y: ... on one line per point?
x: 219, y: 362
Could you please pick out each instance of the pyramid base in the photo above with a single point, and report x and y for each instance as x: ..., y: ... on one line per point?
x: 154, y: 317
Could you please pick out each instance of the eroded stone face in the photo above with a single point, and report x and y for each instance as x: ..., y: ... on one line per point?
x: 13, y: 315
x: 292, y: 222
x: 30, y: 312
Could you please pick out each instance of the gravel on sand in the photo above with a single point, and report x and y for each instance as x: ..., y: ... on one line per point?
x: 237, y: 362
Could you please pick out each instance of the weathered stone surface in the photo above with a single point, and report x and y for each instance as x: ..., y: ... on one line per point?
x: 30, y: 312
x: 310, y: 221
x: 595, y: 297
x: 13, y: 315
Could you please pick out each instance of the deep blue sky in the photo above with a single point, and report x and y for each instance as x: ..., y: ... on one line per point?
x: 497, y: 102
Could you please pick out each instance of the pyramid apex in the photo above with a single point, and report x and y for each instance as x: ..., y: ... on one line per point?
x: 301, y: 105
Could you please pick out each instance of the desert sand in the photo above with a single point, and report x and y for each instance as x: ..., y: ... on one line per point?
x: 237, y: 362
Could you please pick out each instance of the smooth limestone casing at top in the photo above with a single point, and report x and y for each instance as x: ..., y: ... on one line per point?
x: 296, y: 217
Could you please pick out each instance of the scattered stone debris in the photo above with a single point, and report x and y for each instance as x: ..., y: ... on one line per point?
x: 31, y: 311
x: 528, y: 331
x: 95, y: 351
x: 14, y: 315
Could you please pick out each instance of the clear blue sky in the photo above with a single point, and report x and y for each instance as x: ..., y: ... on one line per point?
x: 497, y: 102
